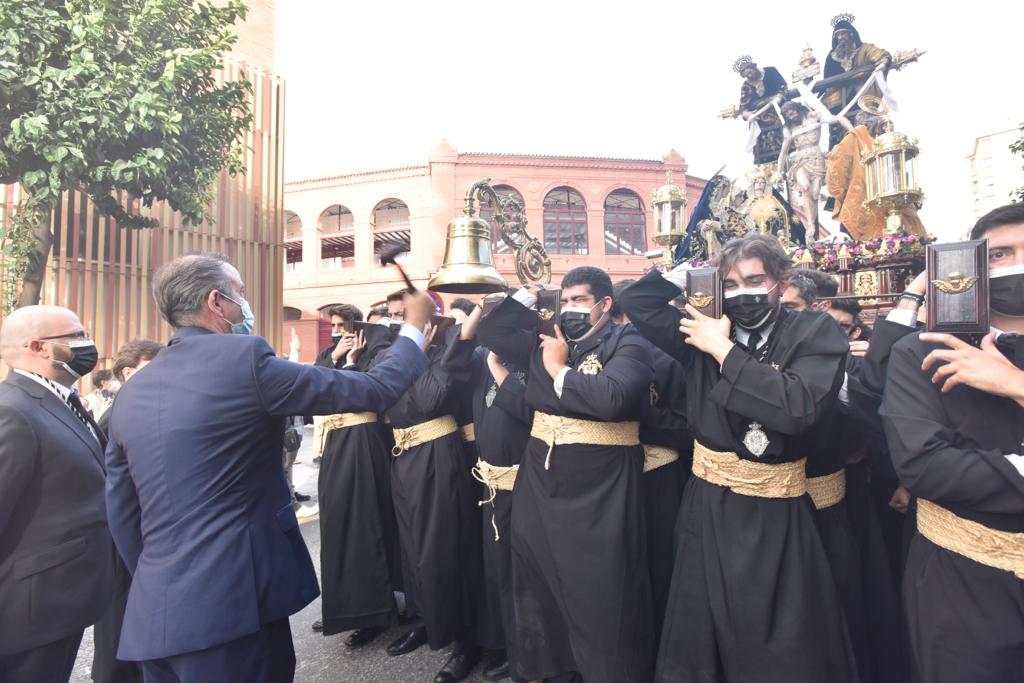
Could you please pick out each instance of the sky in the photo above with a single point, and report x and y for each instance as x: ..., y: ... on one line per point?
x: 376, y: 84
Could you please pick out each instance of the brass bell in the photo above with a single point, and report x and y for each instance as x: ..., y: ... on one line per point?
x: 468, y: 266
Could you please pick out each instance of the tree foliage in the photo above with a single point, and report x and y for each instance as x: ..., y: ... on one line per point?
x: 117, y: 97
x: 1018, y: 148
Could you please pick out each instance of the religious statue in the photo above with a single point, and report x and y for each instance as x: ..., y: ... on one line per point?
x: 806, y: 170
x: 758, y: 89
x: 845, y: 180
x: 849, y: 54
x: 767, y: 211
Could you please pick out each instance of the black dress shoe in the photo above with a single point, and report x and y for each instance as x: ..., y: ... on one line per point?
x: 459, y: 665
x: 318, y: 625
x: 409, y: 641
x: 497, y: 668
x: 301, y: 497
x: 362, y: 636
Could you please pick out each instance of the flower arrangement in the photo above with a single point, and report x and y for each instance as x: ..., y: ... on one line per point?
x: 826, y: 255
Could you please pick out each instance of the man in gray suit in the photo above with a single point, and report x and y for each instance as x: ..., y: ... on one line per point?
x: 56, y: 553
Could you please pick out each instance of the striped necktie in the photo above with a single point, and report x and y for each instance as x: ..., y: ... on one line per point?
x: 74, y: 403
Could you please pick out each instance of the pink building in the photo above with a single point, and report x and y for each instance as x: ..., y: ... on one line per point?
x: 588, y: 211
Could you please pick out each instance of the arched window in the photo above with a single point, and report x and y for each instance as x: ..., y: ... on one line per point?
x: 624, y: 224
x: 292, y: 241
x: 325, y: 311
x: 565, y: 222
x: 291, y: 314
x: 337, y: 238
x: 487, y: 210
x: 391, y: 227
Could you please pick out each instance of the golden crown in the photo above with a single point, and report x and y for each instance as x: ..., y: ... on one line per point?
x: 742, y: 63
x: 840, y: 18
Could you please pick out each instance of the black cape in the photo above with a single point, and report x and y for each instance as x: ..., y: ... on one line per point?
x: 581, y: 588
x: 664, y: 424
x: 752, y: 595
x: 360, y: 566
x: 966, y: 619
x: 435, y: 500
x: 502, y: 421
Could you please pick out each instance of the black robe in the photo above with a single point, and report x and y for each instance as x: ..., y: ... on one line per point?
x: 360, y: 566
x: 581, y: 589
x: 752, y: 596
x: 502, y: 421
x: 435, y: 499
x: 664, y: 424
x: 966, y: 619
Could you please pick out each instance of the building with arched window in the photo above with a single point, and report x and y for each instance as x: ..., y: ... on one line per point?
x: 587, y: 211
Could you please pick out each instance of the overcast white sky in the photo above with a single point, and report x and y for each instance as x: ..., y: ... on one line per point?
x: 374, y: 84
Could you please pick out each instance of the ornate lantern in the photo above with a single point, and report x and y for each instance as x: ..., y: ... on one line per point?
x: 669, y: 207
x: 890, y: 172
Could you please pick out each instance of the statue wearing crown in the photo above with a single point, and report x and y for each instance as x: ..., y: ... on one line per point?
x: 759, y: 88
x: 850, y: 55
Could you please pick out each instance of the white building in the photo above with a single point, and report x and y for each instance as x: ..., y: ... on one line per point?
x: 996, y: 172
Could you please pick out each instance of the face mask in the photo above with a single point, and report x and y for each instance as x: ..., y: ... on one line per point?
x: 575, y: 322
x: 246, y: 326
x: 749, y: 307
x: 115, y: 387
x: 84, y: 357
x: 335, y: 338
x: 1006, y: 290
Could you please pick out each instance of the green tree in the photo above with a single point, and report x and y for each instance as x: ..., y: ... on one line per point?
x: 118, y: 99
x: 1018, y: 148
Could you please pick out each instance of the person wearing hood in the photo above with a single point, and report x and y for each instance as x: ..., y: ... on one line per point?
x: 580, y: 583
x: 752, y: 595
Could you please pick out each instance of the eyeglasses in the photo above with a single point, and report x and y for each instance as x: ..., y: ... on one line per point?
x: 72, y: 335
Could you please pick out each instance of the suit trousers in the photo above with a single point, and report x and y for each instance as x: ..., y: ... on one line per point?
x: 266, y: 656
x: 50, y: 663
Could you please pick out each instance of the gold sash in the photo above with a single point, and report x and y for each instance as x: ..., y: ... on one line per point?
x: 658, y: 456
x: 557, y: 430
x: 329, y: 423
x: 762, y: 480
x: 468, y: 432
x: 990, y: 547
x: 828, y: 490
x: 495, y: 478
x: 408, y: 437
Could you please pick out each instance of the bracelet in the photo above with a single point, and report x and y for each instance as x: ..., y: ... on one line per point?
x: 913, y: 296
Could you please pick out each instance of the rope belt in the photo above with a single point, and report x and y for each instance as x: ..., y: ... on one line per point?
x: 990, y: 547
x: 329, y: 423
x: 658, y: 456
x: 557, y: 430
x: 422, y: 433
x: 468, y: 432
x: 762, y: 480
x: 495, y: 478
x: 828, y: 490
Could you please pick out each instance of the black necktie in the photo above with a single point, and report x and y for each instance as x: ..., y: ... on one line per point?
x: 752, y: 342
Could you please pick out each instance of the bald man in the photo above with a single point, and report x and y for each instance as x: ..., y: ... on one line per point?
x: 56, y: 553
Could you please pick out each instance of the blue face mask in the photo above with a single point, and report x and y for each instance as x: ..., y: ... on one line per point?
x: 248, y: 320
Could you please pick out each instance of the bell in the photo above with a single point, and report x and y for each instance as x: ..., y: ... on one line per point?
x: 468, y: 266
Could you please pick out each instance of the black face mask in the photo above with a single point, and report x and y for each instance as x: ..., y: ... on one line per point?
x: 575, y: 322
x: 335, y: 338
x: 1006, y: 290
x: 749, y: 308
x: 84, y: 357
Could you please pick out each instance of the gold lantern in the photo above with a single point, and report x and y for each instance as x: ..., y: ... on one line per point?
x: 890, y: 171
x: 468, y: 266
x: 669, y: 207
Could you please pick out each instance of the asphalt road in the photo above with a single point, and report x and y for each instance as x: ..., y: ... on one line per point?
x: 319, y: 658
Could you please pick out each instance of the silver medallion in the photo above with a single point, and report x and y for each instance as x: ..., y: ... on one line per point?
x: 492, y: 392
x: 756, y: 440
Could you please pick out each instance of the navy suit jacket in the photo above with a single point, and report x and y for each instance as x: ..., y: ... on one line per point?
x: 196, y: 495
x: 56, y: 557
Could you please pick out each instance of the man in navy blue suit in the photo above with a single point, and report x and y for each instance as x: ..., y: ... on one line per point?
x: 196, y: 496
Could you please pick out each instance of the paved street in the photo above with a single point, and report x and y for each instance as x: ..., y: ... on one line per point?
x: 327, y: 659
